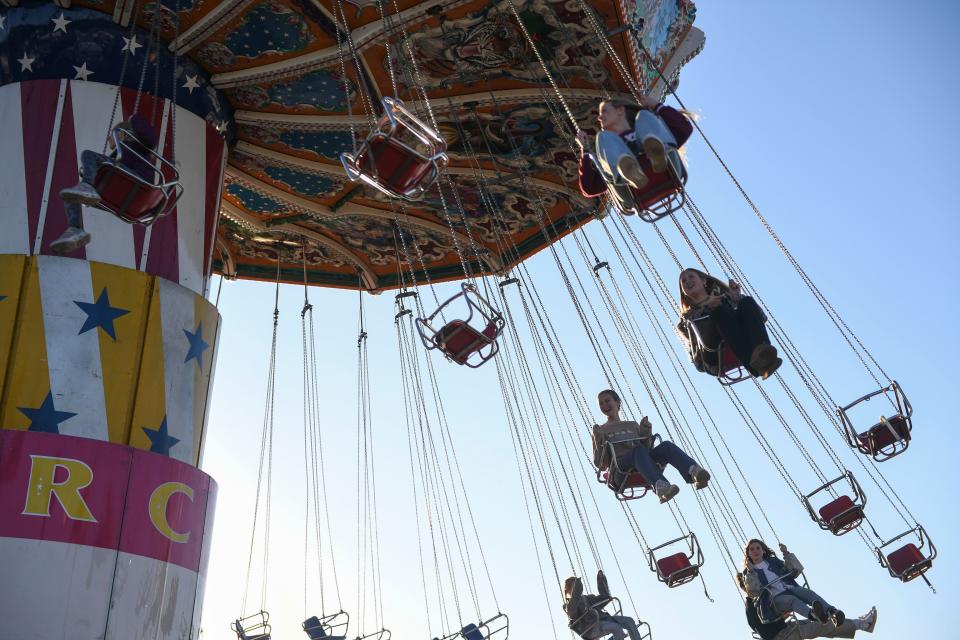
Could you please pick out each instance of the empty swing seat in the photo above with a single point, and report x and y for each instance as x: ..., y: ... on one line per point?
x: 908, y: 562
x: 841, y: 515
x: 676, y: 569
x: 885, y: 433
x: 315, y: 630
x: 401, y: 158
x: 458, y: 340
x: 393, y: 164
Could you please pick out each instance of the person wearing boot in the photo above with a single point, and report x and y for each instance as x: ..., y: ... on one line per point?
x: 722, y: 313
x: 632, y: 447
x: 141, y: 138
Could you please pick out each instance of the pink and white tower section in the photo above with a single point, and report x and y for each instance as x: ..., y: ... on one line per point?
x: 106, y: 355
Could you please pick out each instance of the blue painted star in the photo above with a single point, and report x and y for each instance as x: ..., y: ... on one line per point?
x: 2, y: 298
x: 160, y: 440
x: 45, y: 418
x: 197, y: 345
x: 100, y: 314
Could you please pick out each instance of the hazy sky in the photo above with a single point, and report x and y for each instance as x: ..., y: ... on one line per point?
x: 837, y: 117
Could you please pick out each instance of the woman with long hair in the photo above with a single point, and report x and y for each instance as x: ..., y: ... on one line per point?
x: 772, y: 582
x: 723, y: 314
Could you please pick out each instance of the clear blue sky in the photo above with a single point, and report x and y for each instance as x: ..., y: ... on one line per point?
x: 838, y: 119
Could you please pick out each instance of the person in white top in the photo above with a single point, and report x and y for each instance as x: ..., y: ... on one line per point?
x: 772, y: 584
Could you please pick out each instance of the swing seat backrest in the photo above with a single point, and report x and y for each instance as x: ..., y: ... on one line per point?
x: 472, y: 632
x: 884, y: 434
x: 127, y: 196
x: 392, y: 163
x: 908, y: 562
x: 841, y: 515
x: 676, y: 569
x: 458, y: 340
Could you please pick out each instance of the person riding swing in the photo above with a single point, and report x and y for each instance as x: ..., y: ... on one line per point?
x: 139, y: 136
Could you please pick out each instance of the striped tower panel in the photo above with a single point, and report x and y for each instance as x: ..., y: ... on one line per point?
x: 72, y: 116
x: 13, y: 185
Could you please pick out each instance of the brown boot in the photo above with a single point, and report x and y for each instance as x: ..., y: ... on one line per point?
x: 762, y: 357
x: 772, y: 368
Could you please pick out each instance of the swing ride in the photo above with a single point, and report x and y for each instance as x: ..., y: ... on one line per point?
x: 375, y: 146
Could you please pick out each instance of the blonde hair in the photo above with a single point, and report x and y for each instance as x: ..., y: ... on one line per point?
x: 713, y: 287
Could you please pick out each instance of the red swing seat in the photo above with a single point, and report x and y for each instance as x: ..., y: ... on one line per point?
x: 887, y: 438
x: 133, y: 198
x: 909, y: 561
x: 660, y: 197
x: 401, y: 158
x: 677, y: 568
x: 729, y: 370
x: 843, y: 513
x: 627, y: 484
x: 460, y: 340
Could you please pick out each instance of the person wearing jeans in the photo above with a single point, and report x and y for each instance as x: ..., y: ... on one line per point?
x: 586, y: 614
x: 771, y: 584
x: 656, y: 131
x: 723, y: 314
x: 630, y: 444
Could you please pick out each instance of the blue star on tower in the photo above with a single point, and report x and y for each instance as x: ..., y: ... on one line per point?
x: 197, y: 345
x: 45, y: 418
x: 160, y: 439
x: 100, y: 314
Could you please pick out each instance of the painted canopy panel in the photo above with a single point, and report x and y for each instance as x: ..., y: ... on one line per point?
x: 301, y: 81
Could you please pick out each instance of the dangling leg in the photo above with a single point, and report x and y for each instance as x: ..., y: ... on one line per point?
x: 763, y: 356
x: 629, y: 625
x: 608, y: 627
x: 668, y: 453
x: 656, y: 138
x: 617, y: 162
x: 74, y: 237
x: 820, y: 608
x: 83, y: 192
x: 639, y: 459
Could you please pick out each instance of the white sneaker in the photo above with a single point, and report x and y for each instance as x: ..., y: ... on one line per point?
x: 630, y: 169
x: 700, y: 476
x: 82, y: 192
x: 665, y: 491
x: 71, y: 240
x: 869, y: 621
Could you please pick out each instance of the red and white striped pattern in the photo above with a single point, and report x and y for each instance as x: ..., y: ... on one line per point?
x: 69, y: 116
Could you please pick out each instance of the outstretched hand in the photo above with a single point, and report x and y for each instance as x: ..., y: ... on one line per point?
x: 783, y: 548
